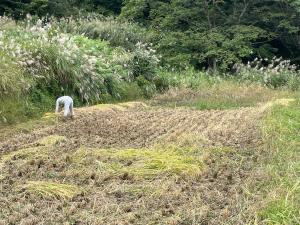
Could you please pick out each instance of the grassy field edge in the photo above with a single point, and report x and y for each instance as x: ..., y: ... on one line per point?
x: 281, y: 166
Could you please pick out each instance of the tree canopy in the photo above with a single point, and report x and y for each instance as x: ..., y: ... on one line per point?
x: 218, y: 32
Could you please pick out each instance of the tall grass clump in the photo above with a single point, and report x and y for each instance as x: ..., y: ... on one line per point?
x: 49, y: 62
x: 12, y: 79
x: 274, y: 73
x: 117, y: 33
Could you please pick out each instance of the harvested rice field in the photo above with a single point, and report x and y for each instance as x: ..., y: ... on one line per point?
x: 133, y: 163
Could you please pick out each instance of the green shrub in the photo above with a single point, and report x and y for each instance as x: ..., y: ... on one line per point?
x: 13, y: 109
x: 130, y: 91
x: 148, y: 88
x: 162, y: 84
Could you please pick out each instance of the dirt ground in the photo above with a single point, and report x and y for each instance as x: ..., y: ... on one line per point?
x: 223, y: 141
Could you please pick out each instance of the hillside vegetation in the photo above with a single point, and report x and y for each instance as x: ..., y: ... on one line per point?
x: 74, y: 50
x: 186, y: 112
x: 41, y: 61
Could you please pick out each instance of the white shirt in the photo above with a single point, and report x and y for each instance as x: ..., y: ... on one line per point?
x: 67, y: 101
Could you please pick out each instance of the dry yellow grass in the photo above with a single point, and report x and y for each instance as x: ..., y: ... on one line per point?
x: 226, y: 95
x: 142, y: 163
x: 136, y: 165
x: 52, y: 140
x: 50, y: 190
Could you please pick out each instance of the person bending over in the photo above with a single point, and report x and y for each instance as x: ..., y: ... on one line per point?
x: 67, y: 103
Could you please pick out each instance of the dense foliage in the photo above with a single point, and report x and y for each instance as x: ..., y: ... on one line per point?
x: 59, y: 8
x: 217, y: 33
x: 203, y: 33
